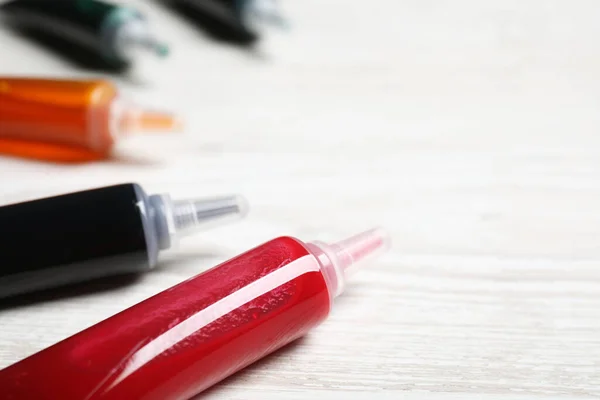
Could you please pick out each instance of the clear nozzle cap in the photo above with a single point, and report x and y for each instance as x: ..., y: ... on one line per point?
x: 134, y: 39
x: 135, y: 44
x: 258, y: 13
x: 359, y: 247
x: 192, y: 215
x: 179, y: 218
x: 148, y: 44
x: 339, y: 260
x: 129, y: 118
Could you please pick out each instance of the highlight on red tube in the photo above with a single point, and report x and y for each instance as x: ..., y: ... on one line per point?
x: 70, y: 120
x: 178, y: 343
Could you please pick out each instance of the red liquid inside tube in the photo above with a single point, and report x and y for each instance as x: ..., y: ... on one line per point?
x: 185, y: 339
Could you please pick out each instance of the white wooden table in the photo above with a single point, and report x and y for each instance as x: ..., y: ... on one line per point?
x: 471, y: 130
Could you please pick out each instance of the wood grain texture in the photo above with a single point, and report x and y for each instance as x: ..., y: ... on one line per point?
x: 468, y: 128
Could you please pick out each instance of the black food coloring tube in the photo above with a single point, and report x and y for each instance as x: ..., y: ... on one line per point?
x: 96, y: 233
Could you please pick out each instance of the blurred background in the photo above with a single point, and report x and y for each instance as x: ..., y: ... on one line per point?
x: 468, y: 129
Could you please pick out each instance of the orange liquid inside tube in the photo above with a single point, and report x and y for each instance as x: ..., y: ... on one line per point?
x: 67, y: 120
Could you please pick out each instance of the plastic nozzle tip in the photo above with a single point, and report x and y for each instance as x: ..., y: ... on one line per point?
x: 150, y: 44
x: 135, y: 119
x: 337, y: 259
x: 162, y: 50
x: 133, y: 39
x: 260, y: 12
x: 360, y: 246
x: 194, y: 214
x: 158, y: 121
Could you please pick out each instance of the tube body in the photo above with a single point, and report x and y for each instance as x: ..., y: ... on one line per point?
x: 89, y: 23
x: 100, y: 232
x: 75, y: 237
x: 183, y: 340
x: 221, y: 18
x: 241, y: 21
x: 68, y: 113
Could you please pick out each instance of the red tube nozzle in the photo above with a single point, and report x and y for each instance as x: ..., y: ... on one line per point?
x: 339, y: 260
x: 358, y: 247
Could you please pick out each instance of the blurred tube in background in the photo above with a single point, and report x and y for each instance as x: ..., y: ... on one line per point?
x: 238, y: 20
x: 118, y: 34
x: 70, y: 120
